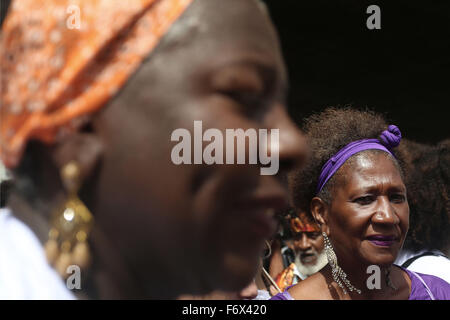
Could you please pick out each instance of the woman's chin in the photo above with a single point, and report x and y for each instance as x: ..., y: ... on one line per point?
x: 238, y: 271
x: 380, y: 256
x: 381, y: 260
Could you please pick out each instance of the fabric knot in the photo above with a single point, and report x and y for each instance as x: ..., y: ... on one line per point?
x: 391, y: 137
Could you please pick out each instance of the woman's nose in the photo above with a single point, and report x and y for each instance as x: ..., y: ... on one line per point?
x: 385, y: 212
x: 292, y: 146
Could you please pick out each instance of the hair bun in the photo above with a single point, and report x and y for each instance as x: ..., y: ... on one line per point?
x: 391, y: 137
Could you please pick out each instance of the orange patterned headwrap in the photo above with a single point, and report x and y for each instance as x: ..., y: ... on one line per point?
x: 61, y: 60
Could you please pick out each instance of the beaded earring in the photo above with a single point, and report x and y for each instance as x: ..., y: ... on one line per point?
x: 339, y: 276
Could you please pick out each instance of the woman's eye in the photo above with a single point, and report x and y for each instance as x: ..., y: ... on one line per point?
x: 250, y: 103
x: 245, y: 97
x: 398, y: 198
x: 365, y: 200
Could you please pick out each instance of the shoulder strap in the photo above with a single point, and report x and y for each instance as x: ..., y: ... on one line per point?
x: 408, y: 262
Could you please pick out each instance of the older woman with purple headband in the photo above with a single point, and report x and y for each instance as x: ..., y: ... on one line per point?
x: 353, y: 185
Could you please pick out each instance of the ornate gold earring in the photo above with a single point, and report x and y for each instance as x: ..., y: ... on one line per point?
x: 71, y: 224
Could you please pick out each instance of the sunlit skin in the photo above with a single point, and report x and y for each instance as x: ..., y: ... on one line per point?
x: 370, y: 200
x: 163, y: 230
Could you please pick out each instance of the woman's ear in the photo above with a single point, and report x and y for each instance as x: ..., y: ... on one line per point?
x: 319, y: 210
x: 83, y: 148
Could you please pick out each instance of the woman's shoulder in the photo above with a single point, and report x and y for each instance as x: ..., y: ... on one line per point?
x: 312, y: 288
x: 295, y: 292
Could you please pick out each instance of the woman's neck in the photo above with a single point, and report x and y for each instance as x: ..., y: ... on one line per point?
x: 374, y: 282
x: 108, y: 276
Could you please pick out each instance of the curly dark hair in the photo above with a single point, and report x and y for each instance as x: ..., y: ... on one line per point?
x: 427, y: 178
x: 327, y: 133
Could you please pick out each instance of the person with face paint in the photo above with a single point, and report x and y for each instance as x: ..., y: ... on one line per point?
x: 303, y: 254
x: 354, y: 185
x: 307, y: 244
x: 91, y: 94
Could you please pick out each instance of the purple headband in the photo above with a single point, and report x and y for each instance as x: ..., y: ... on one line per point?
x: 388, y: 139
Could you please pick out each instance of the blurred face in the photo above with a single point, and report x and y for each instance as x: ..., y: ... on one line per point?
x: 369, y: 214
x: 197, y: 227
x: 308, y: 246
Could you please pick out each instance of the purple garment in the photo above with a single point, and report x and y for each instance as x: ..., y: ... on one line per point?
x: 285, y: 295
x: 438, y: 289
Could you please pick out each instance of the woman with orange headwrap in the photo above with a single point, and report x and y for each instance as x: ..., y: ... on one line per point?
x: 86, y: 122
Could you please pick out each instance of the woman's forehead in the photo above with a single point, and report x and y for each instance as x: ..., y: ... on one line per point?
x: 208, y: 37
x: 371, y: 170
x: 223, y: 21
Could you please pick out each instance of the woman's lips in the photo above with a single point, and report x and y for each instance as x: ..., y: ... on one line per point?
x: 382, y: 241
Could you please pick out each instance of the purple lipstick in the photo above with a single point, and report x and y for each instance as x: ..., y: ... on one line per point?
x: 382, y: 241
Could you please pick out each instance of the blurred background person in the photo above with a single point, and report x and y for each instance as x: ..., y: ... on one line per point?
x: 307, y: 244
x: 427, y: 178
x: 302, y: 254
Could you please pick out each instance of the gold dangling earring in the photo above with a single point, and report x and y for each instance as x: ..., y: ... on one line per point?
x: 67, y: 244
